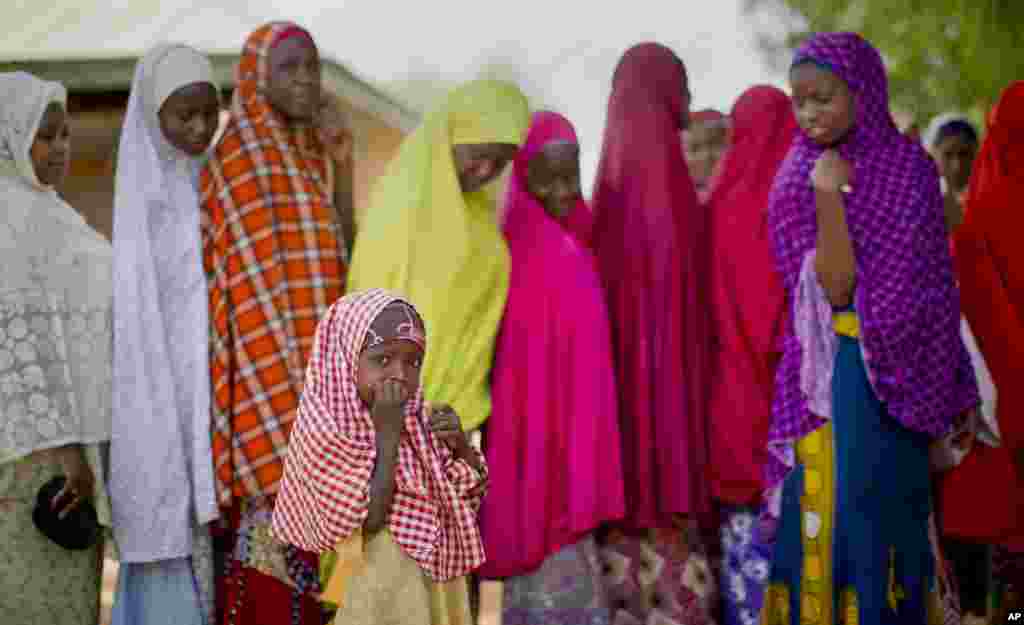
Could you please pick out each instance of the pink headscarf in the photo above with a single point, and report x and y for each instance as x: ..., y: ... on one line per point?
x: 651, y: 242
x: 553, y: 435
x: 749, y: 301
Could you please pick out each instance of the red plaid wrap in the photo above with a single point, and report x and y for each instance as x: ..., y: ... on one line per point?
x: 325, y: 493
x: 275, y: 262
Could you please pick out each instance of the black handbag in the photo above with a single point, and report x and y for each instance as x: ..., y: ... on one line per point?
x: 77, y: 531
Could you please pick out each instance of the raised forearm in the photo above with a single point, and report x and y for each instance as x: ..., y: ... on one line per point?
x: 834, y: 260
x: 382, y: 485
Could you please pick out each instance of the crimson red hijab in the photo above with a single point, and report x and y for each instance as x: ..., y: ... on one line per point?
x: 705, y: 116
x: 749, y: 303
x: 650, y: 240
x: 990, y: 264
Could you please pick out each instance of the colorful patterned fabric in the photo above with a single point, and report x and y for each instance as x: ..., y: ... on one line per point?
x: 660, y: 577
x: 274, y: 258
x: 325, y: 494
x: 568, y: 588
x: 853, y: 544
x: 652, y: 249
x: 260, y: 579
x: 746, y: 563
x: 905, y: 295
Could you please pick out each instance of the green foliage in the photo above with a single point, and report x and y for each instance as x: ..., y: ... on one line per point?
x: 941, y: 54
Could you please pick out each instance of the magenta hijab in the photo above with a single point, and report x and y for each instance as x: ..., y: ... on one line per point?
x: 552, y: 439
x: 652, y: 245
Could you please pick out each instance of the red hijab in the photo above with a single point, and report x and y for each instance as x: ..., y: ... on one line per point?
x: 650, y: 240
x: 990, y: 263
x: 749, y: 303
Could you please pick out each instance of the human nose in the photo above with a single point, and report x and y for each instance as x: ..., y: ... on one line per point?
x: 807, y: 114
x: 398, y: 370
x: 564, y: 190
x: 199, y: 127
x: 306, y: 75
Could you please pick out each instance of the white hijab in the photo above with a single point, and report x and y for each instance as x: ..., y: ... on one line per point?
x: 931, y: 134
x: 55, y: 296
x: 161, y: 482
x: 985, y: 426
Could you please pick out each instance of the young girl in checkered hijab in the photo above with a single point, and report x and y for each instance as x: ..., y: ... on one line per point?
x: 387, y: 482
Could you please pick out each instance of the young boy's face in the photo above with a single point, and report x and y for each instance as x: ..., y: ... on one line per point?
x: 397, y: 360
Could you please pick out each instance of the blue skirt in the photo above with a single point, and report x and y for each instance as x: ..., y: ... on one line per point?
x: 852, y: 546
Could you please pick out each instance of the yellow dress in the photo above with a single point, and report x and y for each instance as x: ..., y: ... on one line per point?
x: 376, y: 582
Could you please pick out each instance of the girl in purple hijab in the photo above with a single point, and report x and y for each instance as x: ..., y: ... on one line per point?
x: 873, y: 368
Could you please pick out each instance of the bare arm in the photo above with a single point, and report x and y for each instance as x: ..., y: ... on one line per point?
x: 834, y: 260
x: 382, y: 485
x: 344, y: 201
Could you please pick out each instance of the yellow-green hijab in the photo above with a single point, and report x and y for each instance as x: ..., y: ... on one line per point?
x: 422, y: 237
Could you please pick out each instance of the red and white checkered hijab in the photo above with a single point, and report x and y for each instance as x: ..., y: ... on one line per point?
x: 325, y: 492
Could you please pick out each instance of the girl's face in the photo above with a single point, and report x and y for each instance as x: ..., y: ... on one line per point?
x: 478, y: 164
x: 189, y: 117
x: 293, y: 85
x: 704, y: 144
x: 954, y: 155
x: 51, y: 148
x: 823, y: 104
x: 397, y: 360
x: 553, y: 178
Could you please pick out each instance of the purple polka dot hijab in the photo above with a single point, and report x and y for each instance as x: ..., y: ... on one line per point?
x: 906, y: 296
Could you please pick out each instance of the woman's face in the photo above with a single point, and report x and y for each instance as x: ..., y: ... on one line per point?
x: 553, y: 178
x: 189, y: 117
x: 293, y: 85
x: 397, y: 360
x: 954, y: 155
x: 51, y: 148
x: 704, y: 144
x: 478, y: 164
x: 823, y: 104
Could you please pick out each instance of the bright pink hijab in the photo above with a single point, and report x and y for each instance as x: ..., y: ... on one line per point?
x: 651, y: 242
x: 553, y: 436
x: 749, y: 301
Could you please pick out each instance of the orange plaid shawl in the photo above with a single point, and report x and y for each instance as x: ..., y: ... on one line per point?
x: 272, y: 253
